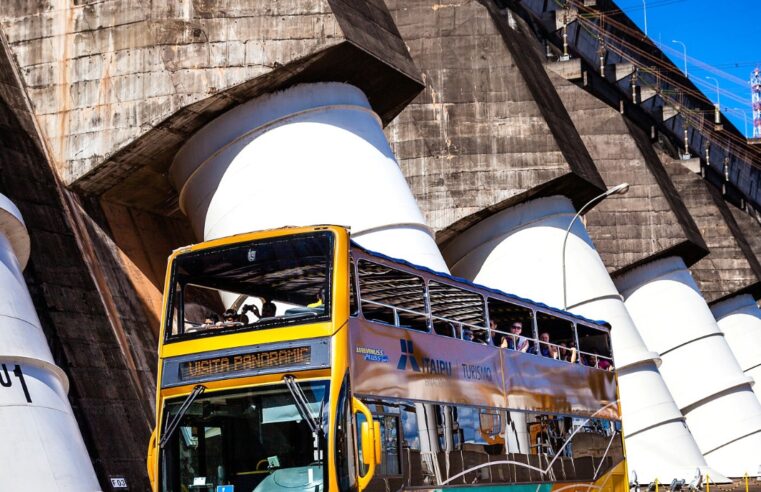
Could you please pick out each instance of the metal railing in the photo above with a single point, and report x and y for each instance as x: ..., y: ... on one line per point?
x: 575, y: 355
x: 480, y: 334
x: 461, y: 328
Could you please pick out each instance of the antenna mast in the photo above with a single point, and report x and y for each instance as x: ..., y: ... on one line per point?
x: 755, y: 91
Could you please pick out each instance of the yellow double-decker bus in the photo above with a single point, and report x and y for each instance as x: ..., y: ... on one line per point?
x: 295, y: 360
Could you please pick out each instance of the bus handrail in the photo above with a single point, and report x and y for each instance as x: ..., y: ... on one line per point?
x: 475, y: 328
x: 488, y: 339
x: 538, y: 343
x: 461, y: 324
x: 395, y: 309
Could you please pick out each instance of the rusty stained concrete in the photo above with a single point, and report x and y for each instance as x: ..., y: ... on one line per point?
x: 117, y: 86
x: 650, y: 221
x: 489, y: 130
x: 102, y: 340
x: 730, y: 268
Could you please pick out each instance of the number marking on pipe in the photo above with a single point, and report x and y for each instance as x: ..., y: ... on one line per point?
x: 6, y: 381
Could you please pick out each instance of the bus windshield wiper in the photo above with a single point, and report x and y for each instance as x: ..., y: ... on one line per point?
x: 303, y: 406
x: 180, y: 413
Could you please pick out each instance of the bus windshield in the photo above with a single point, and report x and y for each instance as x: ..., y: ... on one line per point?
x: 255, y: 440
x: 258, y: 284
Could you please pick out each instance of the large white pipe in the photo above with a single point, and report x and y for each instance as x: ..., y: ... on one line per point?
x: 739, y: 318
x: 519, y: 250
x: 42, y: 448
x: 312, y: 154
x: 699, y: 368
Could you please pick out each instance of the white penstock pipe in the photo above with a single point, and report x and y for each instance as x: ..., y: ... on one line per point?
x: 699, y: 368
x: 520, y: 250
x: 312, y: 154
x: 42, y: 447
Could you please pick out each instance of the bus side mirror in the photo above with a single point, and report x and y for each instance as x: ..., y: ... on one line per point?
x: 151, y: 460
x: 369, y: 434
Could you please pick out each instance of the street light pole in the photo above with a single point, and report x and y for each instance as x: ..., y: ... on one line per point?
x: 717, y: 106
x: 685, y: 54
x: 644, y: 10
x: 616, y: 190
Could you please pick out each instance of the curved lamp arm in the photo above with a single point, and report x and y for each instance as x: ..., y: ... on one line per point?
x: 616, y: 190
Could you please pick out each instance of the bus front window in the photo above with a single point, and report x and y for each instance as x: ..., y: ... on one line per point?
x: 256, y: 440
x: 260, y: 284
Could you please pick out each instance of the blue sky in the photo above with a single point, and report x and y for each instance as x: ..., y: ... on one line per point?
x: 723, y: 34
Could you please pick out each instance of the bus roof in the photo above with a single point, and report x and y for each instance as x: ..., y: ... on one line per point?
x: 479, y: 286
x: 297, y: 229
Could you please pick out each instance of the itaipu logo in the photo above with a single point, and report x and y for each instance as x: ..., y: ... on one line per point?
x: 408, y: 355
x: 428, y: 366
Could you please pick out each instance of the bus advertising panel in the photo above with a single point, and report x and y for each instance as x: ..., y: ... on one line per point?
x: 542, y: 384
x: 400, y: 363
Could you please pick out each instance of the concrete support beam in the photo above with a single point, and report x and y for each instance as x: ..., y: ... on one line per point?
x: 569, y: 70
x: 646, y: 92
x: 669, y: 112
x: 623, y: 70
x: 118, y: 87
x: 650, y: 220
x: 489, y: 129
x: 729, y: 268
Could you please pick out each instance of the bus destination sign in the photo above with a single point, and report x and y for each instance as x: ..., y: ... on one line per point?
x: 267, y: 359
x: 244, y: 361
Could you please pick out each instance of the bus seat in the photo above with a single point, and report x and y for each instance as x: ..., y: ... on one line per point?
x: 522, y: 474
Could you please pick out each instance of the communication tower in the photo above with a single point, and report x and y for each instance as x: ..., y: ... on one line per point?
x: 755, y: 90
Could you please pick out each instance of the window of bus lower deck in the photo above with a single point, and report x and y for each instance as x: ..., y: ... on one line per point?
x: 560, y: 337
x: 391, y: 296
x: 444, y: 444
x: 505, y: 315
x: 456, y: 312
x: 259, y: 284
x: 563, y: 447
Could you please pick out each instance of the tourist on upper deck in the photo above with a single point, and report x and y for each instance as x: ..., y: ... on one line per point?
x: 480, y: 336
x: 600, y: 362
x: 545, y: 348
x: 497, y: 338
x: 516, y: 341
x: 568, y: 354
x: 594, y: 361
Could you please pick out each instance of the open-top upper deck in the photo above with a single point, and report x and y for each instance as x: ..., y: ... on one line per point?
x: 256, y: 287
x: 315, y: 279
